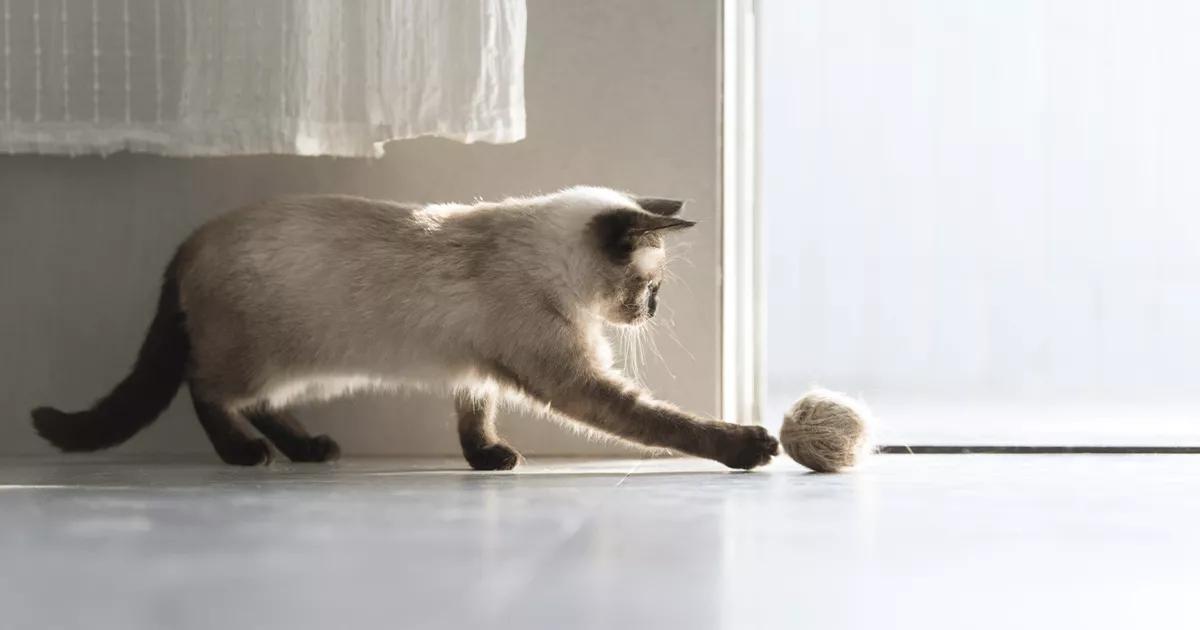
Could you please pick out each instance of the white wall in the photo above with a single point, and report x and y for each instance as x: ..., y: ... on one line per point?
x: 978, y: 203
x: 620, y: 93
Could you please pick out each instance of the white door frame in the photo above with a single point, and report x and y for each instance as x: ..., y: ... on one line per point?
x: 741, y: 276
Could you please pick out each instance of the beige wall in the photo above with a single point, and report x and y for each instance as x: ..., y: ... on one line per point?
x: 620, y: 93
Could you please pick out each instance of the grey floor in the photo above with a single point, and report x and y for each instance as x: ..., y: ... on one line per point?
x: 959, y: 541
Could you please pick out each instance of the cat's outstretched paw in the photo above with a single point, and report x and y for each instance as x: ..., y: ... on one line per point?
x: 748, y: 447
x: 249, y: 453
x: 320, y: 448
x: 498, y: 456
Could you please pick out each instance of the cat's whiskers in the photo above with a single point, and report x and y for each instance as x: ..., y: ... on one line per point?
x: 641, y: 346
x: 670, y: 328
x: 671, y: 278
x: 628, y: 346
x: 651, y: 328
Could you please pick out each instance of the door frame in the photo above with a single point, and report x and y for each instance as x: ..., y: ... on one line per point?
x: 741, y: 253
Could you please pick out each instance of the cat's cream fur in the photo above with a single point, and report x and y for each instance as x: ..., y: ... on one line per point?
x: 315, y: 297
x: 360, y: 293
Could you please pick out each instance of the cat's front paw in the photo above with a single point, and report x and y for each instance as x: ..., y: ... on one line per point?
x: 498, y: 456
x: 747, y: 447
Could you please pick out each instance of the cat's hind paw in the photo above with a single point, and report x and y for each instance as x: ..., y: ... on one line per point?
x: 498, y: 456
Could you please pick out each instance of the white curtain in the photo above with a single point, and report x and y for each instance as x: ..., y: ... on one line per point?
x: 230, y: 77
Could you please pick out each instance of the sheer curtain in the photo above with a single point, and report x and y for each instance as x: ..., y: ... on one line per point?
x: 225, y: 77
x: 983, y: 216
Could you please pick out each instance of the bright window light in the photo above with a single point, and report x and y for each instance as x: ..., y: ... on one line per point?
x: 984, y: 217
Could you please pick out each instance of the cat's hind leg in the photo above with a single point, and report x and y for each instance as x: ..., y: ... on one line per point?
x: 230, y: 433
x: 481, y: 446
x: 291, y: 438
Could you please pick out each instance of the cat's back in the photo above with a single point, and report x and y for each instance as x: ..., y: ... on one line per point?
x: 289, y: 246
x: 289, y: 230
x: 286, y: 220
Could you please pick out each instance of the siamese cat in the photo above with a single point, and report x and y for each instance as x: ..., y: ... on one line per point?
x: 313, y: 297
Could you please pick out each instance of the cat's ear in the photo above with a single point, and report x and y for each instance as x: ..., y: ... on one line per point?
x: 644, y: 223
x: 618, y: 231
x: 618, y: 224
x: 660, y: 206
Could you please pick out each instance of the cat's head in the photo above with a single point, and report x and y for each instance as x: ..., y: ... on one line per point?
x: 627, y: 241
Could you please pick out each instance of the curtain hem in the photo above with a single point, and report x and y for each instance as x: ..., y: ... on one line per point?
x: 245, y: 137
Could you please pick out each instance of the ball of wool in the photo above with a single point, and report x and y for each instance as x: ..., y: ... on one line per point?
x: 827, y: 431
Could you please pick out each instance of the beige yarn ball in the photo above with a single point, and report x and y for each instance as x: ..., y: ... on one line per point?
x: 827, y: 431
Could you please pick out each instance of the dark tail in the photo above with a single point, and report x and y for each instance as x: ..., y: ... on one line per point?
x: 137, y: 400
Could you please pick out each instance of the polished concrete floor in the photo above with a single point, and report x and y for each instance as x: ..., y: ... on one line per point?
x: 958, y: 541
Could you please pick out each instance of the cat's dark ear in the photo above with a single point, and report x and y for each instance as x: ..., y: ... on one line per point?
x: 617, y: 231
x: 644, y: 223
x: 660, y: 206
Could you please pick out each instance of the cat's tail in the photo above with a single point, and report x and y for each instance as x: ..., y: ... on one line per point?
x: 136, y: 401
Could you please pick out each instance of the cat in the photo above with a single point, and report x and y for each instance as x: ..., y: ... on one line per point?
x: 313, y: 297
